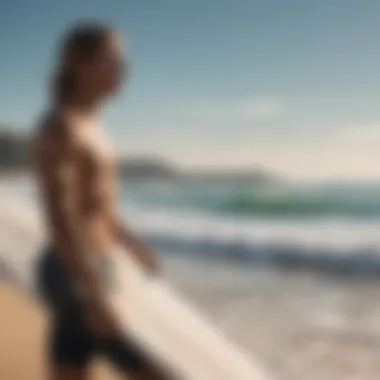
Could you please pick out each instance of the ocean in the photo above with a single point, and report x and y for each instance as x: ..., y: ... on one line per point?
x: 332, y: 227
x: 289, y: 270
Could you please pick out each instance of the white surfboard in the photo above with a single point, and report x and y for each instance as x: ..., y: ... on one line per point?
x: 148, y: 308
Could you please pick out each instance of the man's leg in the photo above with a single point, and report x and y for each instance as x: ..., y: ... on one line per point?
x: 71, y: 350
x: 133, y: 362
x: 68, y: 373
x: 151, y: 374
x: 70, y: 344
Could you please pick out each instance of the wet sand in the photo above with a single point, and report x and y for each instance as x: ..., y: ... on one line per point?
x: 22, y: 329
x: 298, y: 325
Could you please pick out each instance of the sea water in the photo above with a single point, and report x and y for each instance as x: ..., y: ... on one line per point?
x: 329, y: 228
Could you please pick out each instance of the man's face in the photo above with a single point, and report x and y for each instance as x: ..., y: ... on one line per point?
x: 105, y: 72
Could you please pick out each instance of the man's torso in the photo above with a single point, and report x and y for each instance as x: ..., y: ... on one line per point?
x: 93, y: 185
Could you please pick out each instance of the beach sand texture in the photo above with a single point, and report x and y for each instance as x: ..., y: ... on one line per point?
x: 22, y: 330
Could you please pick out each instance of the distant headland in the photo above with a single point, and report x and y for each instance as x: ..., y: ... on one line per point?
x: 14, y: 158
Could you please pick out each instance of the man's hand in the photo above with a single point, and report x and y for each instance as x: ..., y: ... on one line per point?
x: 140, y: 251
x: 101, y: 320
x: 148, y: 260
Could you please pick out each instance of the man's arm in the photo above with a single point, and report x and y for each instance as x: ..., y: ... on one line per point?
x: 58, y: 165
x: 135, y: 245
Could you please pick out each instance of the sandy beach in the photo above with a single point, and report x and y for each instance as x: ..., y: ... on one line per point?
x: 22, y: 331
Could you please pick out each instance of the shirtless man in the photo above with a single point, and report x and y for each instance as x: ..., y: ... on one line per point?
x: 76, y: 174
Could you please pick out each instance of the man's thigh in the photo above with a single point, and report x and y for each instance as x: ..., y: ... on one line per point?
x: 134, y: 362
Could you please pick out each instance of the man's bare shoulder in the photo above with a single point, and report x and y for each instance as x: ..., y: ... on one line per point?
x: 55, y: 136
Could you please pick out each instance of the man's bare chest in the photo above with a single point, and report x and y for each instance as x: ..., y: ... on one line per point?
x: 100, y: 153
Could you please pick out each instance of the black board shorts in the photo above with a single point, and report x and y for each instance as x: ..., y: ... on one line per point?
x: 71, y: 341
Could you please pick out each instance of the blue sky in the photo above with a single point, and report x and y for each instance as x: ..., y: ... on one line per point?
x: 291, y: 85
